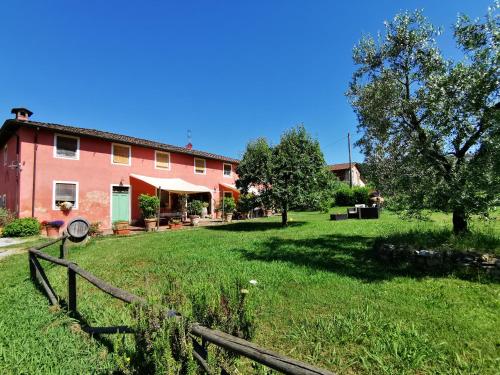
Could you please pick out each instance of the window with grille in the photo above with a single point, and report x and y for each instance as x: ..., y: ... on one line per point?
x: 162, y: 160
x: 199, y: 166
x: 121, y: 154
x: 65, y: 192
x: 66, y: 147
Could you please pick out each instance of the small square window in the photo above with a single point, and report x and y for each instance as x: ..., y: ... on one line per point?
x: 66, y: 147
x: 199, y: 166
x: 65, y: 192
x: 162, y: 160
x: 227, y: 170
x: 120, y: 154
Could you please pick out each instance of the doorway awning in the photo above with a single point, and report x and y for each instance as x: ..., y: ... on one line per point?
x: 230, y: 187
x: 175, y: 185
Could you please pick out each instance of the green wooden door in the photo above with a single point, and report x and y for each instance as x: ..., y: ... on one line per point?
x: 120, y: 204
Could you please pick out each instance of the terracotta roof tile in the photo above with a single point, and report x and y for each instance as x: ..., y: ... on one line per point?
x: 340, y: 167
x: 113, y: 137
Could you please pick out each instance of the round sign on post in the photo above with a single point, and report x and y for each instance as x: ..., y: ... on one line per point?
x: 78, y: 229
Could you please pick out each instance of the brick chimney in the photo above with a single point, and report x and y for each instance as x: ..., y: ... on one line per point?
x: 189, y: 146
x: 22, y: 114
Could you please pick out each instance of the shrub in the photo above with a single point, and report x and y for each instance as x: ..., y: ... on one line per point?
x: 228, y: 204
x: 24, y: 227
x: 5, y: 217
x: 346, y: 196
x: 95, y: 229
x: 195, y: 207
x: 149, y: 205
x: 247, y: 202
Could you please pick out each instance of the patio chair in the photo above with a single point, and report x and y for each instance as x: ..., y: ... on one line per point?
x: 352, y: 213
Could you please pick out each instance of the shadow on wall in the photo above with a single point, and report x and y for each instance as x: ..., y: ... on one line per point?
x: 350, y: 256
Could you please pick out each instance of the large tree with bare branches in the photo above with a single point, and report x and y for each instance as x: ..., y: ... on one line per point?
x: 431, y: 126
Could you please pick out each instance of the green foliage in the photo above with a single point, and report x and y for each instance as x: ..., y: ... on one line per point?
x: 5, y: 217
x: 431, y: 126
x: 345, y: 196
x: 162, y: 344
x: 290, y: 174
x: 228, y: 204
x: 149, y: 205
x: 247, y: 202
x: 95, y: 229
x: 24, y: 227
x: 195, y: 207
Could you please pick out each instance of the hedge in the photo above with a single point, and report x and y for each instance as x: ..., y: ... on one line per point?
x: 24, y: 227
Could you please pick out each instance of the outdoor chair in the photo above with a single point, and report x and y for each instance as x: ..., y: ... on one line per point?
x: 352, y: 213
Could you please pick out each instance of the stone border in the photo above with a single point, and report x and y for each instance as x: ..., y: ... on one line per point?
x: 443, y: 259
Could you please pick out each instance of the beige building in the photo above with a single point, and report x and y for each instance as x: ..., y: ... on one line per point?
x: 342, y: 172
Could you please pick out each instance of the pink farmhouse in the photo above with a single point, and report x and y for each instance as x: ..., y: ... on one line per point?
x: 46, y: 167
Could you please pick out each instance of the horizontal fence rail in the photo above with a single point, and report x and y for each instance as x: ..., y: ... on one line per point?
x: 223, y: 340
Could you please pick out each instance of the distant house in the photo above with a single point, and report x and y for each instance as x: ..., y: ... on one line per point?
x: 101, y: 174
x: 342, y: 172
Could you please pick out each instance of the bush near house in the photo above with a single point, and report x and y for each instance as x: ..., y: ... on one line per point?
x: 5, y: 217
x: 228, y: 204
x: 149, y: 205
x: 24, y: 227
x: 195, y: 207
x: 346, y: 196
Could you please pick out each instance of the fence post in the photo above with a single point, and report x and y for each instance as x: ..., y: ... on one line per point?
x: 63, y: 251
x: 71, y: 290
x: 32, y: 266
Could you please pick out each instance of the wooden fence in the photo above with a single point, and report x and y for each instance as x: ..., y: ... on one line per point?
x: 234, y: 344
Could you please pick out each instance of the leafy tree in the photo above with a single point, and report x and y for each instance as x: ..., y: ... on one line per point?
x: 288, y: 174
x: 431, y: 126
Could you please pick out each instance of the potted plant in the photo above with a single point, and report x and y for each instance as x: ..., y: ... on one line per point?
x: 175, y: 224
x: 194, y: 209
x: 121, y: 227
x: 149, y: 205
x: 52, y: 227
x: 65, y: 206
x: 228, y: 205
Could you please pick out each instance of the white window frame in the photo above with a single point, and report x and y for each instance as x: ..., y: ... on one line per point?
x: 75, y: 206
x: 129, y: 154
x: 231, y: 171
x: 204, y: 163
x: 77, y: 157
x: 169, y: 161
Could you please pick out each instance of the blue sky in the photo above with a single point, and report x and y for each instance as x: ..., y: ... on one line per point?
x: 229, y: 71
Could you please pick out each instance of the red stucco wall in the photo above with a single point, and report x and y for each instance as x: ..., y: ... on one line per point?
x: 95, y: 174
x: 9, y: 176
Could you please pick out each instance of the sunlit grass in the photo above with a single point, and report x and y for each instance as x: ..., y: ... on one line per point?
x: 320, y: 296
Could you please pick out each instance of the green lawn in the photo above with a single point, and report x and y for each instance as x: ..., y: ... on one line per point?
x: 320, y: 296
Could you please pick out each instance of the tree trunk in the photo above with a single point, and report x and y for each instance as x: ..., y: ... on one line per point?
x: 459, y: 222
x: 284, y: 215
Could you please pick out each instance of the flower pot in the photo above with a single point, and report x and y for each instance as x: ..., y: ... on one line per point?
x: 175, y: 226
x: 52, y: 232
x: 204, y: 212
x: 229, y: 217
x: 269, y: 213
x: 218, y: 214
x: 121, y: 231
x: 150, y: 224
x: 195, y: 220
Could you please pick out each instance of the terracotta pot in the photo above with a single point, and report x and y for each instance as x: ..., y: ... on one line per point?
x: 150, y: 224
x: 121, y: 231
x: 229, y: 217
x: 52, y: 232
x: 269, y: 213
x: 218, y: 214
x: 120, y: 225
x: 175, y: 226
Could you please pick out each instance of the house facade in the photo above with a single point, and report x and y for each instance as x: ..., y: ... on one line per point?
x: 100, y: 175
x: 342, y: 172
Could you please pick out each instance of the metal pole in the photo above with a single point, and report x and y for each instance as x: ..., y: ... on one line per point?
x: 159, y: 208
x: 350, y: 161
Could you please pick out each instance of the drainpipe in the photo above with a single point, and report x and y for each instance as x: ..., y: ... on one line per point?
x: 35, y: 149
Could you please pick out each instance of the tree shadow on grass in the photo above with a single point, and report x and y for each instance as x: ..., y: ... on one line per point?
x: 345, y: 255
x: 254, y: 226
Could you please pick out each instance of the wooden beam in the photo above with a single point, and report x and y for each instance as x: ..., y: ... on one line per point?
x: 71, y: 290
x: 266, y: 357
x: 40, y: 275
